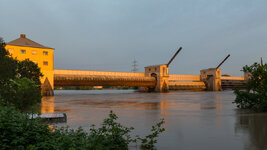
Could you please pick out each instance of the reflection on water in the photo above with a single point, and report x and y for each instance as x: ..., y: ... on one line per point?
x: 48, y: 104
x: 194, y: 120
x: 256, y: 126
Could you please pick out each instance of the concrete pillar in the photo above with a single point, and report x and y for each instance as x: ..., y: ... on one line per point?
x: 161, y: 73
x: 212, y: 79
x: 47, y: 89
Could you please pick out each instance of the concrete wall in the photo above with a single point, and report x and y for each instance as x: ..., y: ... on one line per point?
x: 232, y: 78
x: 103, y: 73
x: 199, y: 86
x: 233, y: 82
x: 181, y: 77
x: 185, y: 82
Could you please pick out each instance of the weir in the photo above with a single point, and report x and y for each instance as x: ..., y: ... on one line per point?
x: 186, y: 82
x: 98, y: 80
x: 156, y: 77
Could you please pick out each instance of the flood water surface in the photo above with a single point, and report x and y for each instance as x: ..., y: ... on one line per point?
x: 193, y: 120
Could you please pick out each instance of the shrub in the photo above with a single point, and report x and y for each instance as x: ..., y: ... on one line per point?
x: 23, y: 94
x: 17, y: 131
x: 255, y: 95
x: 150, y: 140
x: 111, y: 135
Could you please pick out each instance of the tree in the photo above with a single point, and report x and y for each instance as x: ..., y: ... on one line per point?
x: 8, y: 65
x: 30, y: 70
x: 20, y: 84
x: 255, y: 95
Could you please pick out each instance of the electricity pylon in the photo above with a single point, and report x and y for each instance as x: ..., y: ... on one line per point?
x: 134, y: 66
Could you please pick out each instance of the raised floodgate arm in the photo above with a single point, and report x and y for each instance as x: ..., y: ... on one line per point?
x: 174, y: 56
x: 223, y: 61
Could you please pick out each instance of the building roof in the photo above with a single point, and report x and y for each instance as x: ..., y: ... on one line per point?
x: 23, y: 41
x: 155, y: 65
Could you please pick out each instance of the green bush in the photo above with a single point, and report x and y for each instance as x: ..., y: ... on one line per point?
x: 150, y: 140
x: 18, y: 132
x: 255, y: 95
x: 23, y: 94
x: 111, y: 135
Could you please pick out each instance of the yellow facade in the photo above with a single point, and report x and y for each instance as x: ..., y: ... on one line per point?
x: 41, y: 55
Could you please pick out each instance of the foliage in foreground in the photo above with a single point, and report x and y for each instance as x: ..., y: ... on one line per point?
x: 20, y: 84
x: 17, y: 131
x: 255, y: 95
x: 20, y: 93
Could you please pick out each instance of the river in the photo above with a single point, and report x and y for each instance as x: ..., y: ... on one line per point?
x: 193, y: 120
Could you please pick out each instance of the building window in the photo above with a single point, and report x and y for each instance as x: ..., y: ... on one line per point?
x: 45, y: 63
x: 34, y: 52
x: 10, y: 50
x: 22, y: 51
x: 45, y: 53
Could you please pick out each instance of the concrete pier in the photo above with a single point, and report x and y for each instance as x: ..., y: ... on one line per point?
x: 212, y: 79
x: 51, y: 117
x: 47, y: 88
x: 161, y: 74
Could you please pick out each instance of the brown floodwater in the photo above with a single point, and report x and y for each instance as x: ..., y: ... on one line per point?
x: 194, y: 120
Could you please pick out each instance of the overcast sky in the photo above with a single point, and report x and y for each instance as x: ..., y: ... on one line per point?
x: 107, y: 35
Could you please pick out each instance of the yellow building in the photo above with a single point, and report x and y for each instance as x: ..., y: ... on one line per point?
x: 24, y: 48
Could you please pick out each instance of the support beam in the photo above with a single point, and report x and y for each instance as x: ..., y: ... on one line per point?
x: 178, y: 51
x: 223, y: 61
